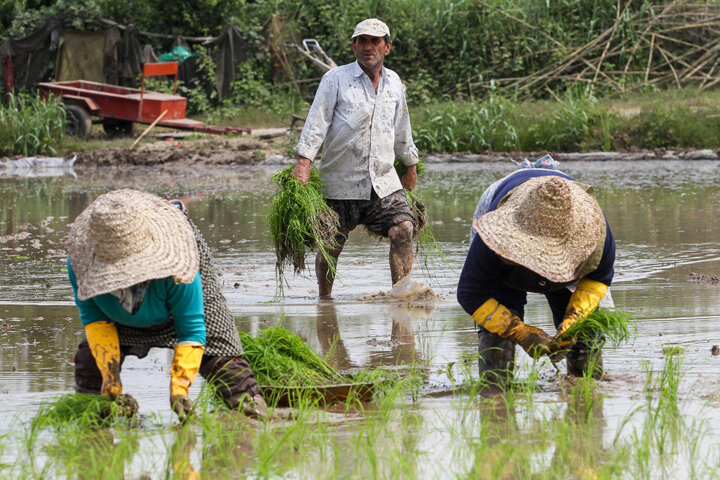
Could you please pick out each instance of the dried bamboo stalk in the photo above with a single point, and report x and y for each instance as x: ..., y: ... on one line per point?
x: 650, y: 55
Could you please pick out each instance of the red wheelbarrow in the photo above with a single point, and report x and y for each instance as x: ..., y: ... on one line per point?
x: 118, y: 108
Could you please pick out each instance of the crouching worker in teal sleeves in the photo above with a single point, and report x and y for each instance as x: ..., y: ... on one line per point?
x: 537, y: 230
x: 143, y: 277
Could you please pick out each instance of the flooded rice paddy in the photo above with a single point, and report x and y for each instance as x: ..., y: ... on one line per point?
x: 655, y: 415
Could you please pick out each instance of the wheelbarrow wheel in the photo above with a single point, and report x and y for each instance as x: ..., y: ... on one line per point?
x: 78, y: 122
x: 117, y: 128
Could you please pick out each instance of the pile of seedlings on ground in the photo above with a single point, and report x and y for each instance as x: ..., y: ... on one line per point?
x: 280, y: 358
x: 85, y: 410
x: 299, y: 221
x: 614, y: 325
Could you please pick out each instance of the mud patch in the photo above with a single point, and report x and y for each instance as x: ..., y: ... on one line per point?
x: 110, y: 157
x: 702, y: 278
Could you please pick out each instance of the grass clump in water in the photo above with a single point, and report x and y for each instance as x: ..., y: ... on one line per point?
x: 300, y: 220
x: 613, y: 324
x: 85, y: 410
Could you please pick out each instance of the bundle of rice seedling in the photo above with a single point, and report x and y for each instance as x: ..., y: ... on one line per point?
x: 85, y: 410
x: 300, y: 220
x: 613, y: 324
x: 278, y: 357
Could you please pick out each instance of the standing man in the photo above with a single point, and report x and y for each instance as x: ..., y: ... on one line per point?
x: 361, y: 119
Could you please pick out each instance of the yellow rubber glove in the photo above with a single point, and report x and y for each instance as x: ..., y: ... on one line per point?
x: 184, y: 369
x: 584, y: 300
x: 496, y: 318
x: 104, y: 344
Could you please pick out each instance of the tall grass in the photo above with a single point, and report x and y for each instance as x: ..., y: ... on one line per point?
x: 574, y: 122
x: 31, y: 126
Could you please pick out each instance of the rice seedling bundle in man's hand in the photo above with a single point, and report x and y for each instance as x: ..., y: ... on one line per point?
x: 613, y: 324
x: 300, y: 220
x: 278, y: 357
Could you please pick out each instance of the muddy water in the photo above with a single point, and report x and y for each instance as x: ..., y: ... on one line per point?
x: 663, y: 216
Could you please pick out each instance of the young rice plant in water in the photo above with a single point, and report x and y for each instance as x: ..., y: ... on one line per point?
x: 84, y: 410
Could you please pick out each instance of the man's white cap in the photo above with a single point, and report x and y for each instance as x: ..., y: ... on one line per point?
x: 372, y: 27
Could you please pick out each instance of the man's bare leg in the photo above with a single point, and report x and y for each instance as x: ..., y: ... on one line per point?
x: 401, y: 255
x: 323, y: 272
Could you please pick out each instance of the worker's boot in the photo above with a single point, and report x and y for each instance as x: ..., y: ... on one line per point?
x: 583, y: 360
x: 496, y: 358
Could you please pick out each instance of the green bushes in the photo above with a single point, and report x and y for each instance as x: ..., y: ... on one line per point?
x: 31, y: 126
x: 475, y: 127
x: 576, y: 122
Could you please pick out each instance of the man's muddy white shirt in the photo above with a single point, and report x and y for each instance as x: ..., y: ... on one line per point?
x: 362, y: 133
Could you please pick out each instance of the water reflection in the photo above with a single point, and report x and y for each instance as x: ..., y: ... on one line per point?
x: 328, y: 333
x: 660, y: 212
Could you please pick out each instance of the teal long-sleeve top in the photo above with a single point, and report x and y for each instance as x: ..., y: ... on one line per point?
x: 164, y: 298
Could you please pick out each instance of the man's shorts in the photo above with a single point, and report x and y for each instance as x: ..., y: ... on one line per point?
x: 378, y: 215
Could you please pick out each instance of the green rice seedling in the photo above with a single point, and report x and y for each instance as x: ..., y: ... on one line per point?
x: 92, y: 453
x: 613, y: 324
x: 84, y: 410
x: 280, y: 358
x: 300, y: 220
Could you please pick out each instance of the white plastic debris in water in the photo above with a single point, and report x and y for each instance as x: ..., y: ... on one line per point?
x: 38, y: 167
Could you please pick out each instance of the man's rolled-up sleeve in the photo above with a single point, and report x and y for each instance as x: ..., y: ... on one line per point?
x: 319, y: 118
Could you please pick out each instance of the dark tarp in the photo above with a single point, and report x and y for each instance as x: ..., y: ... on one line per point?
x: 233, y: 50
x: 129, y: 58
x: 115, y: 57
x: 31, y: 59
x: 111, y: 63
x: 80, y: 56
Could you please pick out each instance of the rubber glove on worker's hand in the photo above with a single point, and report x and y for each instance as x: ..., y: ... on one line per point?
x: 496, y: 318
x: 182, y: 406
x: 583, y: 301
x: 102, y: 338
x: 184, y: 368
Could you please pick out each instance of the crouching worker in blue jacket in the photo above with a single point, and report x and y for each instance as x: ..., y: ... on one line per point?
x: 143, y: 277
x: 536, y: 230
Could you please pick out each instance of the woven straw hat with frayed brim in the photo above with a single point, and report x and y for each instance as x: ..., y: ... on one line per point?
x: 548, y: 224
x: 126, y: 237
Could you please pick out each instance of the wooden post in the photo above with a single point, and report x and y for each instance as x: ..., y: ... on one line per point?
x: 148, y: 129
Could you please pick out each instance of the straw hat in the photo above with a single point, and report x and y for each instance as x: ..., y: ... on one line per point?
x: 126, y: 237
x: 548, y: 224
